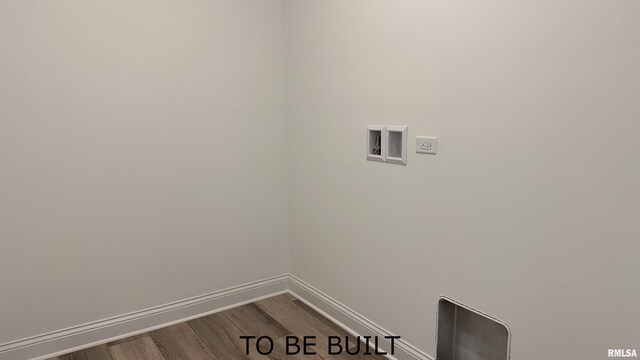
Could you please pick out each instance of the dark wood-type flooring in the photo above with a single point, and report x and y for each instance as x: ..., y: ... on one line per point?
x: 217, y: 336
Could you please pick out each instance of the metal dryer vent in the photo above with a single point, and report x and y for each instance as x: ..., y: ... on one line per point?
x: 464, y: 333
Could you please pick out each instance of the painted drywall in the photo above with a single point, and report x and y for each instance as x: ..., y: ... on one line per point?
x: 529, y: 212
x: 142, y: 155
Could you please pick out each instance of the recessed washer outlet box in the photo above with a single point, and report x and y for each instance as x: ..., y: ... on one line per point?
x: 464, y: 333
x: 396, y: 144
x: 376, y: 137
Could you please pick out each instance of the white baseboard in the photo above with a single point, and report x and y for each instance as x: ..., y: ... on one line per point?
x: 99, y: 332
x: 352, y: 321
x: 118, y: 327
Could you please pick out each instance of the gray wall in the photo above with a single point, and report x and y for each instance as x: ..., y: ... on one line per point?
x: 142, y: 155
x: 530, y: 210
x: 144, y: 150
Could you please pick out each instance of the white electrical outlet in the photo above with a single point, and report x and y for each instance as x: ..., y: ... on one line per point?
x: 426, y: 145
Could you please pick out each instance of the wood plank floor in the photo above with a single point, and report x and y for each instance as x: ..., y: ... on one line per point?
x: 217, y: 336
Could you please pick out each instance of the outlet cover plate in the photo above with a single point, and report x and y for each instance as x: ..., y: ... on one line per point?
x: 426, y: 145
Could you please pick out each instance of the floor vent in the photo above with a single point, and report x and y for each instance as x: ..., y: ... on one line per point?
x: 464, y: 333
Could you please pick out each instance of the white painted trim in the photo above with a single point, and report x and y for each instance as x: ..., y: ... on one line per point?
x: 80, y: 337
x: 352, y: 321
x: 99, y: 332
